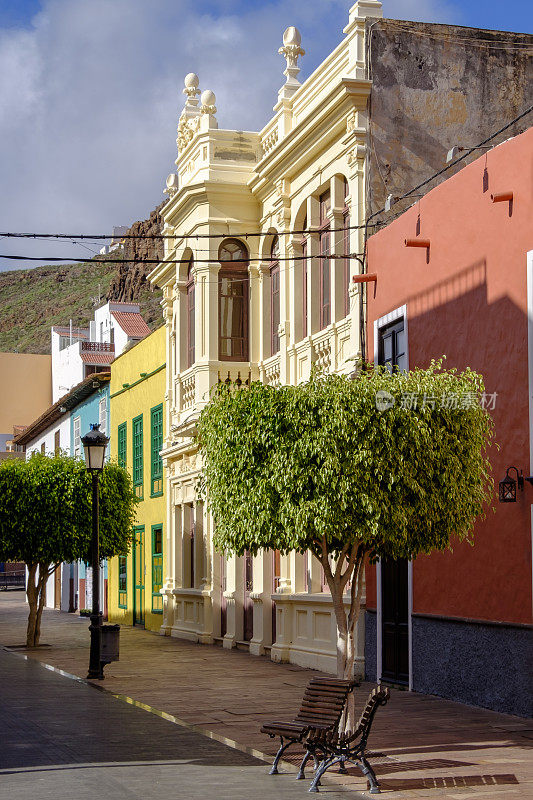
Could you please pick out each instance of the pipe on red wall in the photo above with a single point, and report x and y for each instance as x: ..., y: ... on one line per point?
x: 502, y: 197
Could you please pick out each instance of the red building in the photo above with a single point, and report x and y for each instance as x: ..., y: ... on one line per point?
x: 455, y: 278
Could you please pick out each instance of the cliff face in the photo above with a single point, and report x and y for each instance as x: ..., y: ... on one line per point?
x: 129, y: 283
x: 33, y: 300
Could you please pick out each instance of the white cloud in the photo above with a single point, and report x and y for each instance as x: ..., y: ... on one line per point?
x: 90, y: 96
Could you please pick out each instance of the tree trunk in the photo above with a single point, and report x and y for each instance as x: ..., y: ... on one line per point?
x: 32, y: 595
x: 38, y: 575
x: 346, y: 619
x: 44, y: 573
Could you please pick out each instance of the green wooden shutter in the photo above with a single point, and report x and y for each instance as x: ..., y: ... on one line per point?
x: 156, y: 425
x: 137, y: 426
x: 122, y: 442
x: 122, y: 582
x: 157, y: 568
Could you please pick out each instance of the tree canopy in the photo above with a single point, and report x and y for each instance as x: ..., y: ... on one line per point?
x: 45, y: 518
x: 294, y: 467
x: 46, y: 510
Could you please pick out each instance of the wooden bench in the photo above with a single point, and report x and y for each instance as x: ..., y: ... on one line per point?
x: 316, y: 727
x: 351, y: 748
x: 319, y: 715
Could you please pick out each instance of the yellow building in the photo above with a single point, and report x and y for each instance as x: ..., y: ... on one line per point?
x: 138, y: 383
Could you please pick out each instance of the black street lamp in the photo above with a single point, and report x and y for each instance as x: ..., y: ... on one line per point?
x: 94, y: 445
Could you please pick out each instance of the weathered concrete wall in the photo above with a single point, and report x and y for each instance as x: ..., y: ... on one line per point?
x: 436, y: 86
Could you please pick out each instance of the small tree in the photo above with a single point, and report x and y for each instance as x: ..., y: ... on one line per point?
x: 352, y: 470
x: 45, y: 519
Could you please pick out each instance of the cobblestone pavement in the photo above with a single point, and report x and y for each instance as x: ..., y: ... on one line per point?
x: 424, y: 747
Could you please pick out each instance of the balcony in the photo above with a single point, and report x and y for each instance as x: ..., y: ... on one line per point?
x: 97, y: 347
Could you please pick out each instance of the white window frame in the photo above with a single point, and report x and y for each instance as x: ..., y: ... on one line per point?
x: 102, y: 414
x: 380, y: 323
x: 76, y: 429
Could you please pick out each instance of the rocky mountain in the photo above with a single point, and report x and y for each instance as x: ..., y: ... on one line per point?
x: 32, y: 300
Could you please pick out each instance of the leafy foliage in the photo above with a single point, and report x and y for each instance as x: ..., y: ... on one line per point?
x: 46, y: 507
x: 314, y: 465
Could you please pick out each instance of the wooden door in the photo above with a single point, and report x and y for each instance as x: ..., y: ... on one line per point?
x: 57, y: 587
x: 138, y: 576
x: 248, y: 631
x: 395, y: 620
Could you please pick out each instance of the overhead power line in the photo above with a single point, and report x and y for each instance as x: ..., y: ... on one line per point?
x: 248, y: 235
x: 326, y: 256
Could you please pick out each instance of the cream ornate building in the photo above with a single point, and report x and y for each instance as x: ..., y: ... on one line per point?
x: 246, y: 298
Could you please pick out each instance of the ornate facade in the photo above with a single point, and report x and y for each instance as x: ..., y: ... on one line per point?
x: 257, y: 276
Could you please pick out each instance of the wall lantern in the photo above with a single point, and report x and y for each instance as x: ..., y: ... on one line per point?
x: 508, y: 485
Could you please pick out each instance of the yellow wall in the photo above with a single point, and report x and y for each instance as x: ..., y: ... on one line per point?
x: 26, y: 388
x: 143, y: 368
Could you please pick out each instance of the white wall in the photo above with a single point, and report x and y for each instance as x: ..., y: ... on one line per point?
x: 63, y: 426
x: 67, y: 367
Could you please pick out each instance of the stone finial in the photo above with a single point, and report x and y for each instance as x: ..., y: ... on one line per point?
x: 172, y: 185
x: 292, y: 49
x: 190, y: 91
x: 208, y: 109
x: 208, y: 100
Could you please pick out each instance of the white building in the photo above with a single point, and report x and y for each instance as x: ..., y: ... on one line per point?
x: 77, y: 353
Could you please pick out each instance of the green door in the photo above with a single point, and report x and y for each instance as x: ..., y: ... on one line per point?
x: 138, y: 575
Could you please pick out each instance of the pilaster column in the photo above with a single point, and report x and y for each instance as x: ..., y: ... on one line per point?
x: 264, y: 310
x: 211, y: 322
x: 230, y: 596
x: 168, y: 597
x: 262, y: 600
x: 255, y: 318
x: 355, y: 33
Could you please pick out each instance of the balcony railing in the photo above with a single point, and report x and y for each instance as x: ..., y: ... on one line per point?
x: 97, y: 347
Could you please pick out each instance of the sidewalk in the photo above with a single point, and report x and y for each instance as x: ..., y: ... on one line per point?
x: 62, y: 739
x: 424, y: 747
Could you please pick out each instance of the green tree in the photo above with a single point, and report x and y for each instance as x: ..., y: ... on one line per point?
x: 351, y: 470
x: 45, y: 519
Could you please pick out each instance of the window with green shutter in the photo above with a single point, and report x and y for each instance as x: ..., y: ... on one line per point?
x: 137, y: 441
x: 156, y: 424
x: 122, y: 582
x: 157, y: 568
x: 122, y: 444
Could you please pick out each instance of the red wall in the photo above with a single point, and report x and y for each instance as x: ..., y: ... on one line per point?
x: 469, y: 303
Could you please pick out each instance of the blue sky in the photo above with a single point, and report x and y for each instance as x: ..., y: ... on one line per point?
x: 91, y: 92
x: 476, y: 13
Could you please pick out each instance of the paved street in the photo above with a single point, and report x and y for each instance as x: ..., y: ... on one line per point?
x: 62, y: 738
x: 424, y: 747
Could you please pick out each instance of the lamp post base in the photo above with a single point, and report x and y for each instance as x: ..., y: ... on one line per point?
x: 96, y: 668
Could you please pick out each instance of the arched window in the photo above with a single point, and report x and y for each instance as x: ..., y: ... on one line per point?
x: 233, y: 301
x: 190, y: 314
x: 324, y: 262
x: 346, y: 250
x: 274, y: 297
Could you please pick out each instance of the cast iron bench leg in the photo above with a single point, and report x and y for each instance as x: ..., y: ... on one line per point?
x: 283, y: 747
x: 367, y: 770
x: 326, y: 764
x: 301, y: 771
